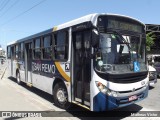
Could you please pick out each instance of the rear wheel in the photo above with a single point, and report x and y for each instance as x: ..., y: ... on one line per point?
x: 60, y: 96
x: 18, y: 78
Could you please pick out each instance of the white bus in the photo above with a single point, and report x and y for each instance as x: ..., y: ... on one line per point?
x: 97, y: 61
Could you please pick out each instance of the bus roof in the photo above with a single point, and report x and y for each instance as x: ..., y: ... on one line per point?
x: 90, y: 17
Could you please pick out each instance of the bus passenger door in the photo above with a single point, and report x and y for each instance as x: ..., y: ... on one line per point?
x: 28, y: 62
x: 81, y: 67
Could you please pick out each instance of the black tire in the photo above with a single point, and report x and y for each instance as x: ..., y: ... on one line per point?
x: 61, y: 91
x: 18, y: 78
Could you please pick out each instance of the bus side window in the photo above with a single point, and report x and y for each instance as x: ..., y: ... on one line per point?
x: 13, y: 52
x: 61, y: 45
x: 37, y: 49
x: 19, y: 51
x: 46, y: 48
x: 22, y: 51
x: 8, y: 52
x: 16, y: 52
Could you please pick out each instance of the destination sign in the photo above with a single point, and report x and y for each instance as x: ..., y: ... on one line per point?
x: 115, y: 24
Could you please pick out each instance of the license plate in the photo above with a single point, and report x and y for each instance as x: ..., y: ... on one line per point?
x: 134, y: 97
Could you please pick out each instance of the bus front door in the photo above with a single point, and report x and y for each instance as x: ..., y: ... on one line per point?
x: 81, y: 67
x: 28, y: 62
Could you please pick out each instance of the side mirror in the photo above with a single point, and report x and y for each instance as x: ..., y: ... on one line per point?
x: 95, y: 37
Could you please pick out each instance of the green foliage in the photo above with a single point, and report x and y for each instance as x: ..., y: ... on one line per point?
x: 150, y: 37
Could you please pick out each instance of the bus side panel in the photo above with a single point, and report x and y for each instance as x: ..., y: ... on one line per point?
x: 45, y: 72
x: 9, y: 67
x: 22, y: 70
x: 42, y: 82
x: 43, y: 75
x: 15, y: 65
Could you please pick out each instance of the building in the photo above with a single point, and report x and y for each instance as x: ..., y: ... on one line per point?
x: 2, y: 52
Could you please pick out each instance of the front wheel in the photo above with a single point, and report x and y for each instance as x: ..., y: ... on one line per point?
x: 60, y: 96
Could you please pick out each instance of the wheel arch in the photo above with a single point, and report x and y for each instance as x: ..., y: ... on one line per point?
x: 61, y: 84
x: 57, y: 80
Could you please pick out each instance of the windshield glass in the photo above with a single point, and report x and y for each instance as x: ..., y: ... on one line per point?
x: 118, y: 53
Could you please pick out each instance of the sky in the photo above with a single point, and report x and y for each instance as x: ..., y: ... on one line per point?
x: 21, y: 18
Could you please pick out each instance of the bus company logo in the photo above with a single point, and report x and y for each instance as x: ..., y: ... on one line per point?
x: 143, y: 83
x: 47, y: 68
x: 133, y: 90
x: 66, y: 67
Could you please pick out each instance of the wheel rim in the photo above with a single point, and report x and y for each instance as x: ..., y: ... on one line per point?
x: 61, y: 96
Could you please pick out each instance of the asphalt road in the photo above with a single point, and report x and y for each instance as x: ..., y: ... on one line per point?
x: 14, y: 97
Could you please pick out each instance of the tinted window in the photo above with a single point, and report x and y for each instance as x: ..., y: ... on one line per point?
x: 37, y: 49
x: 8, y: 52
x: 61, y: 38
x: 47, y: 41
x: 22, y: 51
x: 61, y: 45
x: 16, y: 48
x: 22, y: 46
x: 37, y: 54
x: 37, y: 43
x: 47, y: 45
x: 16, y: 51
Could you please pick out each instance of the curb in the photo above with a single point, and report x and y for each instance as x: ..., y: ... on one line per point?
x: 3, y: 72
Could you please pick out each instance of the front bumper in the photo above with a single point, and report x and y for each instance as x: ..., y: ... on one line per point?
x: 102, y: 102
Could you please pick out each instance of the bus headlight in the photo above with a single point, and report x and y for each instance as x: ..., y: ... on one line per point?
x: 102, y: 88
x: 114, y: 94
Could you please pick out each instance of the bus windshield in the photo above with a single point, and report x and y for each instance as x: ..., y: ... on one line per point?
x: 117, y: 53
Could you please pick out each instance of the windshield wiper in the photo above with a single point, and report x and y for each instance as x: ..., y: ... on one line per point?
x: 125, y: 42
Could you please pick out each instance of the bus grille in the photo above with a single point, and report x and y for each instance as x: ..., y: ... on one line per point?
x: 124, y: 78
x: 130, y: 78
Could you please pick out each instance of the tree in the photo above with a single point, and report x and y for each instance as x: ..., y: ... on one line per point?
x: 150, y: 37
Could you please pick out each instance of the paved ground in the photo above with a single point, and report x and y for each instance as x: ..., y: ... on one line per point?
x: 23, y: 98
x: 153, y: 100
x: 2, y: 69
x: 14, y: 97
